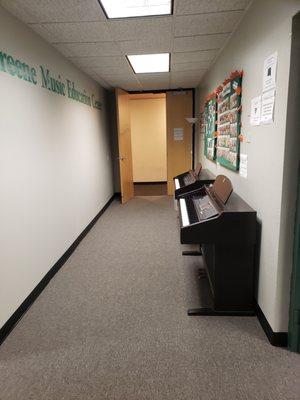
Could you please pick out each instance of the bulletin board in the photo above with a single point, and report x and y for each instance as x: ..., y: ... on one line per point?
x: 210, y: 123
x: 229, y: 122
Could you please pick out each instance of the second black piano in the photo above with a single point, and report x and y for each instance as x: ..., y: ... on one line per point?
x: 192, y: 180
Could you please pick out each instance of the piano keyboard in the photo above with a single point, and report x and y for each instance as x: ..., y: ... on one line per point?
x: 184, y: 214
x: 177, y: 185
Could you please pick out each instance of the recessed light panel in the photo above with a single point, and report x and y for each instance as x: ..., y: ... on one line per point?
x: 135, y: 8
x: 150, y: 63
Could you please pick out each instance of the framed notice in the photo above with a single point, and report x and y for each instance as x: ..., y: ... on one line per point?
x: 210, y: 126
x: 229, y: 122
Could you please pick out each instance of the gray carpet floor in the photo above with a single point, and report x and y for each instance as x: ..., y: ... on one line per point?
x: 112, y: 324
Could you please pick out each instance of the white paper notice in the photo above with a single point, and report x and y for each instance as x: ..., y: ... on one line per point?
x: 243, y: 165
x: 178, y: 134
x: 267, y: 107
x: 255, y: 110
x: 270, y: 68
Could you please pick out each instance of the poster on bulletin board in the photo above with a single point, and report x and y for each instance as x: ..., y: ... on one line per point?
x: 229, y: 122
x: 210, y: 124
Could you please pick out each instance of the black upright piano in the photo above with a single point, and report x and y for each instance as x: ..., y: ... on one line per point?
x: 192, y: 180
x: 225, y: 226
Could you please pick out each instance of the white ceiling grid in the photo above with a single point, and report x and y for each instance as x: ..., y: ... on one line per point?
x: 194, y: 35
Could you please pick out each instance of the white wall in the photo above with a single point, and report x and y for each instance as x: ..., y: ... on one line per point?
x: 149, y: 139
x: 265, y: 29
x: 55, y: 165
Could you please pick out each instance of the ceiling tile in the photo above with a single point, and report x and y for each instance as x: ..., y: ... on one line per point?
x: 205, y: 55
x: 124, y: 78
x: 88, y: 70
x: 99, y: 61
x: 155, y: 77
x: 200, y: 42
x: 81, y: 32
x: 161, y: 44
x: 102, y: 82
x: 199, y: 66
x: 73, y: 32
x: 156, y: 86
x: 130, y: 87
x: 185, y: 81
x: 187, y: 75
x: 55, y: 10
x: 141, y: 28
x: 124, y: 83
x: 112, y: 69
x: 155, y: 81
x: 88, y: 49
x: 184, y: 84
x: 198, y: 24
x: 204, y: 6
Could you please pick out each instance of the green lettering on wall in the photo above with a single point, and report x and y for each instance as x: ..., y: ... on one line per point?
x: 18, y: 65
x: 33, y: 76
x: 18, y: 68
x: 11, y: 65
x: 2, y: 61
x: 45, y: 77
x: 25, y: 71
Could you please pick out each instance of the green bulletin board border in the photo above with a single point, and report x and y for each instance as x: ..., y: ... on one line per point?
x: 210, y: 119
x: 235, y: 87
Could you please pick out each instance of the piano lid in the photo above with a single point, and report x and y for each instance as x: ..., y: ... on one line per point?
x: 222, y: 188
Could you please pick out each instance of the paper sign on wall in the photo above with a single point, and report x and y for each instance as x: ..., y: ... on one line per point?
x: 270, y: 68
x: 243, y: 165
x: 178, y: 134
x: 255, y: 111
x: 267, y: 107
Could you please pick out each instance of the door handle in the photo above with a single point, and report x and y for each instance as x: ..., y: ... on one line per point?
x: 122, y: 158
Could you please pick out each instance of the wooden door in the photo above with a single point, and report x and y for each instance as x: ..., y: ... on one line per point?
x: 124, y: 138
x: 179, y: 134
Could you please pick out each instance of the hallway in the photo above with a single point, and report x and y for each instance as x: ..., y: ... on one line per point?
x: 112, y: 324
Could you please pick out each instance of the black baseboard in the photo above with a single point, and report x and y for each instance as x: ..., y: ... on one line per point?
x: 279, y: 339
x: 13, y: 320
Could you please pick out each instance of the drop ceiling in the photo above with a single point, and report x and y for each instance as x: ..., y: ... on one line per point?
x: 193, y: 35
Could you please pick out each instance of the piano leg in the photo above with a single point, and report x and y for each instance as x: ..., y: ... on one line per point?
x: 211, y: 312
x: 192, y: 253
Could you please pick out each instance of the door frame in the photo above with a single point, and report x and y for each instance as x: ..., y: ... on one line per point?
x: 193, y: 112
x: 165, y: 91
x: 124, y: 146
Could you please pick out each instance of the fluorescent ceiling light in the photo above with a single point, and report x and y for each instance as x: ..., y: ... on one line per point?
x: 147, y: 63
x: 135, y: 8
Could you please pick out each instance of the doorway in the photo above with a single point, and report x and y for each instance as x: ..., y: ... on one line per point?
x: 154, y: 145
x: 149, y: 143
